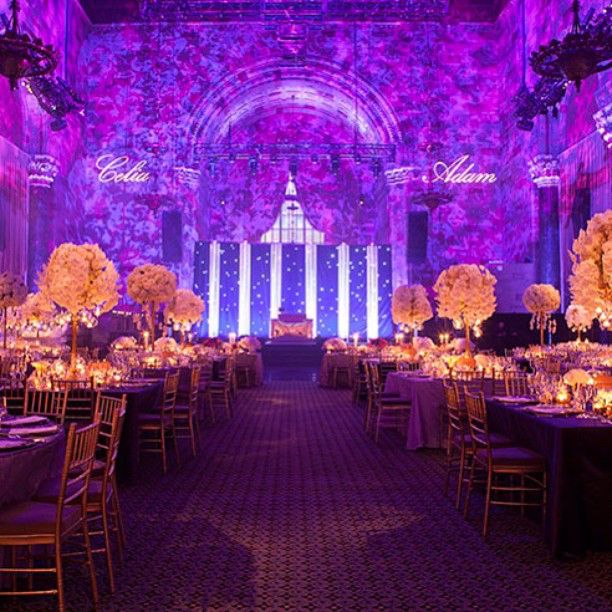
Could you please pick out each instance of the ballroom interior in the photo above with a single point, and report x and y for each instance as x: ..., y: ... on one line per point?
x: 305, y: 304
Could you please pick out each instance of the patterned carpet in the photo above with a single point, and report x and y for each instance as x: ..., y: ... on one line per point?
x: 290, y: 506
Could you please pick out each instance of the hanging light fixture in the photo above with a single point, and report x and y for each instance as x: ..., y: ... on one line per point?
x: 430, y: 196
x: 585, y: 50
x: 22, y: 56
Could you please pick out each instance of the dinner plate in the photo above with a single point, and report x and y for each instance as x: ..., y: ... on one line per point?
x: 9, y: 444
x: 23, y: 421
x: 514, y: 399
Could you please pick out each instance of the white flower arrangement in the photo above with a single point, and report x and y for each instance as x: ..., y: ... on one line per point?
x: 80, y: 277
x: 184, y: 309
x: 577, y: 377
x: 410, y: 307
x: 166, y: 345
x: 591, y: 278
x: 541, y: 300
x: 13, y: 291
x: 423, y: 344
x: 250, y: 344
x: 124, y: 343
x: 151, y: 284
x: 38, y: 309
x: 466, y: 294
x: 578, y: 318
x: 334, y: 344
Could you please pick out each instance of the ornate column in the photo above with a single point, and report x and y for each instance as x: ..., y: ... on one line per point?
x: 544, y: 171
x: 41, y: 174
x: 603, y: 124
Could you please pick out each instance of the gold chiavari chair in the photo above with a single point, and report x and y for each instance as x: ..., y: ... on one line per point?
x: 360, y: 382
x: 153, y: 427
x: 385, y: 412
x: 78, y: 397
x: 472, y: 380
x: 13, y: 393
x: 457, y: 439
x: 45, y: 402
x: 219, y: 393
x: 342, y: 370
x: 34, y: 523
x: 501, y: 462
x: 186, y: 423
x: 517, y: 384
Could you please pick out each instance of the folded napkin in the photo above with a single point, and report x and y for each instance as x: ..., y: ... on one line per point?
x: 24, y: 420
x: 514, y: 399
x: 33, y: 431
x: 550, y: 410
x: 10, y: 443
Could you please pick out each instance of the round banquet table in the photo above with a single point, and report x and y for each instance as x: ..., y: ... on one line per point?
x: 23, y: 470
x: 425, y: 423
x: 331, y: 361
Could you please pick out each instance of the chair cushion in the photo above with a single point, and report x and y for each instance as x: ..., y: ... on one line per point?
x: 35, y: 518
x: 510, y: 456
x: 497, y: 440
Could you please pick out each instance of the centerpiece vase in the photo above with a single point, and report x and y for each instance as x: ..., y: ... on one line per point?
x: 468, y: 346
x: 542, y: 326
x: 5, y: 317
x: 74, y: 328
x: 152, y: 324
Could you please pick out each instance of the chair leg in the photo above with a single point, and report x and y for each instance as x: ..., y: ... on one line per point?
x: 449, y: 459
x: 107, y: 546
x: 119, y: 517
x: 176, y: 448
x: 90, y: 563
x: 466, y: 505
x: 59, y: 575
x: 485, y: 524
x: 192, y: 434
x: 163, y: 449
x: 461, y: 476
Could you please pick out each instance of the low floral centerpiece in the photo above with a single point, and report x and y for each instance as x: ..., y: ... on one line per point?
x: 591, y: 277
x: 332, y: 345
x: 184, y: 310
x: 249, y: 344
x: 13, y: 293
x: 81, y: 280
x: 410, y: 307
x: 541, y: 300
x: 151, y: 285
x: 466, y: 295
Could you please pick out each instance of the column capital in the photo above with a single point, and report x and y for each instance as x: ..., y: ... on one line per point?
x: 187, y: 176
x: 544, y: 170
x: 603, y: 124
x: 42, y: 170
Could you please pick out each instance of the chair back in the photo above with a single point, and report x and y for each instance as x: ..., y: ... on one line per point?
x: 477, y: 419
x: 13, y: 392
x: 409, y: 366
x: 171, y: 385
x: 78, y: 464
x: 472, y: 380
x: 517, y: 384
x: 110, y: 411
x: 45, y: 402
x: 456, y: 414
x: 194, y: 388
x: 78, y: 397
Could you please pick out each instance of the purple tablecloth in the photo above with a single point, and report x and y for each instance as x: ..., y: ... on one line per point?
x: 427, y: 412
x: 578, y: 455
x: 139, y: 399
x: 22, y: 471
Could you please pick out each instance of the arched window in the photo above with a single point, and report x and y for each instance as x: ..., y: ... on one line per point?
x: 291, y: 225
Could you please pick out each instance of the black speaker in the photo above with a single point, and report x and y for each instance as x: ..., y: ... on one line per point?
x: 172, y: 236
x: 416, y: 250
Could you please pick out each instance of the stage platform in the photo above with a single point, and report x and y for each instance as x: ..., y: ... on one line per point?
x: 292, y: 351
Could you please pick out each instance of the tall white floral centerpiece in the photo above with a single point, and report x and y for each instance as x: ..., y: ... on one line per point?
x: 13, y: 293
x: 591, y: 278
x: 80, y: 279
x: 37, y: 313
x: 466, y: 294
x: 578, y: 319
x: 184, y: 310
x: 410, y: 307
x: 541, y: 300
x: 151, y: 285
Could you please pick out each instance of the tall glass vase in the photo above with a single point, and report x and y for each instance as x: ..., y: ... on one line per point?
x: 468, y: 344
x: 74, y: 330
x: 5, y: 318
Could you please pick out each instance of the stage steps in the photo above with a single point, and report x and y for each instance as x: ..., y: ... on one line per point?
x: 292, y: 354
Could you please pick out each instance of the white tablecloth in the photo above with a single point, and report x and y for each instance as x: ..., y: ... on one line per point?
x: 427, y: 416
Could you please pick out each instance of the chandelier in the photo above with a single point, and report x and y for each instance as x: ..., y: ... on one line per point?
x: 56, y: 98
x: 585, y: 50
x: 22, y: 56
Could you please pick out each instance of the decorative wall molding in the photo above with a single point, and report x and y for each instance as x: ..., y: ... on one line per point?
x: 42, y: 170
x: 544, y: 170
x: 187, y: 176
